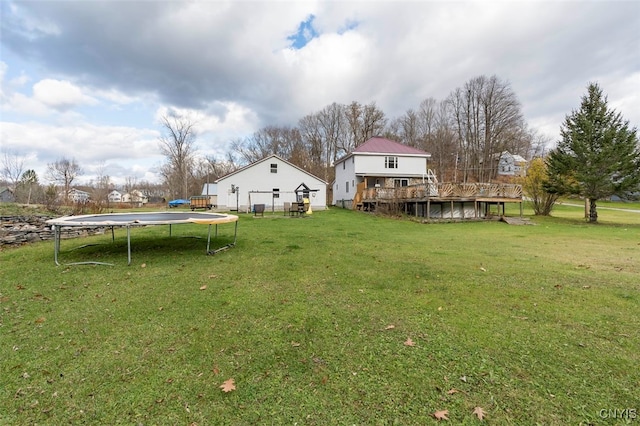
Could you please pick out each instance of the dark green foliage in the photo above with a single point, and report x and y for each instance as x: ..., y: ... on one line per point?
x: 598, y: 155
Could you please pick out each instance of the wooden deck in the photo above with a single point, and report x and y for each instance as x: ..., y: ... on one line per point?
x: 442, y: 200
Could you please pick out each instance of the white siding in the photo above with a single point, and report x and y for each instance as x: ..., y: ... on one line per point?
x: 258, y: 177
x: 352, y: 170
x: 345, y: 174
x: 375, y: 165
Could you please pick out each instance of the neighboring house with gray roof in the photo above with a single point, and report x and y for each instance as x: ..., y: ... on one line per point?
x: 6, y: 195
x: 511, y: 164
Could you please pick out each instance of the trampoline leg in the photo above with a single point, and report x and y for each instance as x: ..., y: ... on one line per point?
x: 128, y: 245
x: 113, y: 235
x: 56, y: 243
x: 169, y: 229
x: 235, y: 234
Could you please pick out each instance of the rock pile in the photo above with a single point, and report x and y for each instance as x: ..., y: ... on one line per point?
x: 27, y: 229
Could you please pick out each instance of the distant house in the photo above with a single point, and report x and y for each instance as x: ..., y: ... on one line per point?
x: 511, y: 164
x: 378, y: 163
x: 77, y: 196
x: 135, y: 197
x: 271, y: 181
x: 114, y: 197
x: 6, y: 195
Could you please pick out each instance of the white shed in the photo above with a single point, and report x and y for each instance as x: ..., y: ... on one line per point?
x: 271, y: 181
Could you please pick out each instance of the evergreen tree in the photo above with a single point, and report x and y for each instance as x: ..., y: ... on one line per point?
x: 598, y: 155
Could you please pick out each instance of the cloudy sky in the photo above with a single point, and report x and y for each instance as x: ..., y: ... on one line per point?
x: 90, y: 79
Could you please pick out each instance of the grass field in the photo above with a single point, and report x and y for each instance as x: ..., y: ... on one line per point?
x: 337, y: 318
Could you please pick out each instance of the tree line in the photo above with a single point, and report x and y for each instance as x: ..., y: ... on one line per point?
x: 597, y: 156
x: 464, y: 133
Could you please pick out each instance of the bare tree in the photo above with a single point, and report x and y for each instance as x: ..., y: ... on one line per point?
x: 129, y: 184
x: 177, y: 145
x: 312, y: 136
x: 63, y: 172
x: 364, y: 122
x: 101, y: 187
x: 408, y: 129
x: 487, y: 118
x: 11, y: 168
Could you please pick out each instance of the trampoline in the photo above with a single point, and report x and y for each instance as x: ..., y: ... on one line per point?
x: 130, y: 220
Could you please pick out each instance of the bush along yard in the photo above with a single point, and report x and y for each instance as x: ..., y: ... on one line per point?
x: 340, y: 317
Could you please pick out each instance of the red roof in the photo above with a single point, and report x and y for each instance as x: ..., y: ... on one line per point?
x: 385, y: 146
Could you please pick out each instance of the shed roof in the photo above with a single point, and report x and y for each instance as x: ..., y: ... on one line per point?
x: 263, y: 160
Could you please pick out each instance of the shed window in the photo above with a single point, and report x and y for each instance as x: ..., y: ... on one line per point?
x: 390, y: 162
x: 347, y: 187
x: 400, y: 182
x: 274, y: 167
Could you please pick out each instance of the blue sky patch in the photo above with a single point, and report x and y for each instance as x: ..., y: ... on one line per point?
x: 348, y: 26
x: 304, y: 34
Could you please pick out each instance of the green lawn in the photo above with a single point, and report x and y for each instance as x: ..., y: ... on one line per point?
x: 310, y: 316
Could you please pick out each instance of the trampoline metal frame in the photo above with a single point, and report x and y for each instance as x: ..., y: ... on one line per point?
x: 57, y: 227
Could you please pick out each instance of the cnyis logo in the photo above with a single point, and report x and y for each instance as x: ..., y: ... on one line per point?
x: 618, y: 413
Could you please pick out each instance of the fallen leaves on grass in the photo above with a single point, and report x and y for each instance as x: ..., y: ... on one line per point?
x: 144, y: 265
x: 441, y: 415
x: 452, y: 391
x: 479, y: 412
x: 228, y: 385
x: 204, y: 287
x: 390, y: 327
x: 295, y: 344
x: 40, y: 320
x: 409, y: 342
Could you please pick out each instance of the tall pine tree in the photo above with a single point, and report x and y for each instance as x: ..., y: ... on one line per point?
x: 598, y: 156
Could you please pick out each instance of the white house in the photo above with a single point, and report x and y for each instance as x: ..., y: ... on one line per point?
x: 378, y: 163
x: 78, y: 196
x: 135, y: 197
x: 271, y: 181
x: 511, y: 164
x: 114, y: 197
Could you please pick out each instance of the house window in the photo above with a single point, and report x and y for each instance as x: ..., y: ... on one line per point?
x: 344, y: 165
x: 276, y: 192
x: 347, y: 187
x: 390, y: 162
x: 400, y: 182
x: 274, y: 168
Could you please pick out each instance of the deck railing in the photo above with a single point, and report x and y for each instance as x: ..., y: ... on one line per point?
x: 445, y: 190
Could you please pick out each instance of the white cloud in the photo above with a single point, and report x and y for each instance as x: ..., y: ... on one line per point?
x: 229, y: 64
x: 61, y: 95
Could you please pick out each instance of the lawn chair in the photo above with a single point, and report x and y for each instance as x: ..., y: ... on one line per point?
x: 258, y: 209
